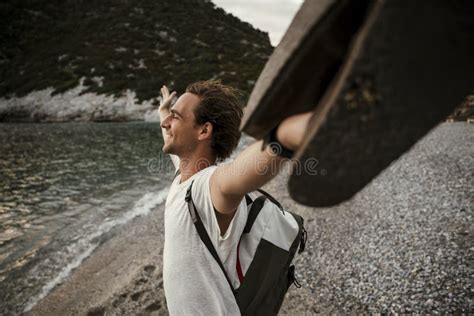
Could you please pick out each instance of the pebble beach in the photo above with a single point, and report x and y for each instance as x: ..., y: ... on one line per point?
x: 404, y: 244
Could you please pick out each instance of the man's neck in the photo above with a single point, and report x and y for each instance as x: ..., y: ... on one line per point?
x: 191, y: 165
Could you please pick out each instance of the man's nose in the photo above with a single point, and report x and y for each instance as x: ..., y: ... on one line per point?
x: 165, y: 123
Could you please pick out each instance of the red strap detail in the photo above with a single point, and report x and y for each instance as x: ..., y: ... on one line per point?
x: 238, y: 266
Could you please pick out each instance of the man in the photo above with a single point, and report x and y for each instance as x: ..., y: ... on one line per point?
x: 201, y: 128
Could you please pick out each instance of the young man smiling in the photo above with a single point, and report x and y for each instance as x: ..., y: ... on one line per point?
x: 201, y: 128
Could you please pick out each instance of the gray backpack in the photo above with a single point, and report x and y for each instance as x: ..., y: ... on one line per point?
x: 266, y: 249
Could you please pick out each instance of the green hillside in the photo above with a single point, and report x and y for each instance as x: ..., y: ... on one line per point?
x: 124, y: 44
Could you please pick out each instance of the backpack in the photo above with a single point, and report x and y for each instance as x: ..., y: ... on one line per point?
x: 265, y: 251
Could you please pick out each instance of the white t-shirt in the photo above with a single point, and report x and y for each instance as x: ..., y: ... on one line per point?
x: 193, y: 281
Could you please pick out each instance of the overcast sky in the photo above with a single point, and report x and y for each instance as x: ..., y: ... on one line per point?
x: 272, y: 16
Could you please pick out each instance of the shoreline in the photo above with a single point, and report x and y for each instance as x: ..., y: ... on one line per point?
x: 131, y: 257
x: 403, y: 244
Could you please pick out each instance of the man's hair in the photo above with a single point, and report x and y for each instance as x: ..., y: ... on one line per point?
x: 221, y: 107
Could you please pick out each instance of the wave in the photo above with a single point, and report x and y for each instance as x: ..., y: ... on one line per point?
x: 83, y: 247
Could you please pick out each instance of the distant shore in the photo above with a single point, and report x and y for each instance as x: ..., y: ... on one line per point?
x: 402, y: 245
x: 75, y: 105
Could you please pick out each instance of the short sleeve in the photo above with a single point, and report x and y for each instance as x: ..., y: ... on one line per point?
x: 201, y: 194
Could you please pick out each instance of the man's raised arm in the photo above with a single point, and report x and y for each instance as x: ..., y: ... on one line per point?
x: 254, y: 167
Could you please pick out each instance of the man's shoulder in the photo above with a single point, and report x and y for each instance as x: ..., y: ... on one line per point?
x: 198, y: 178
x: 202, y: 177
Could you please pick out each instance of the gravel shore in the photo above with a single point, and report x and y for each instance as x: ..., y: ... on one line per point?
x: 404, y: 244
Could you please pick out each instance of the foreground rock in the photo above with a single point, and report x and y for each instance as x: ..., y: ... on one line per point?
x: 404, y: 245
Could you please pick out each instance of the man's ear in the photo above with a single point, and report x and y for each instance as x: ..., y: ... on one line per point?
x: 206, y: 131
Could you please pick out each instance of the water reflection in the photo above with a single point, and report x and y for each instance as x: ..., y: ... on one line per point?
x: 58, y: 181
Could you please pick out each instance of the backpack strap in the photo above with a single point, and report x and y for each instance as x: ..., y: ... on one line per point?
x: 257, y: 206
x: 253, y: 212
x: 203, y: 233
x: 271, y: 198
x: 248, y: 199
x: 252, y: 216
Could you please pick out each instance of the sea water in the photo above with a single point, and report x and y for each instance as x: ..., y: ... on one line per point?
x: 64, y: 187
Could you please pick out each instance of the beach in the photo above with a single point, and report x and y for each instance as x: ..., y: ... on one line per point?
x: 404, y: 244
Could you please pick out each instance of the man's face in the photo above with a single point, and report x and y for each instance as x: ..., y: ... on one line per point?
x: 181, y: 135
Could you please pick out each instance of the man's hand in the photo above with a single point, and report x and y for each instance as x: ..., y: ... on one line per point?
x: 292, y: 130
x: 166, y: 100
x: 164, y: 111
x: 254, y: 167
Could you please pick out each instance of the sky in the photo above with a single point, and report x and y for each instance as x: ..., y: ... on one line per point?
x: 272, y: 16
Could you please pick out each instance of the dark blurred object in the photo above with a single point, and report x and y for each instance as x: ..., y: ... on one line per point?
x: 378, y: 74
